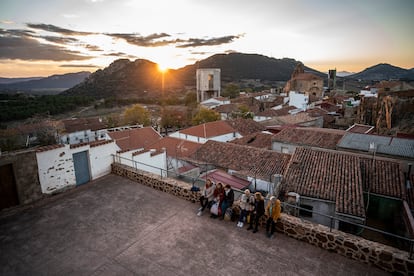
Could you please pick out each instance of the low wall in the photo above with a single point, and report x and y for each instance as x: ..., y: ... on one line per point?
x: 385, y: 257
x: 168, y: 185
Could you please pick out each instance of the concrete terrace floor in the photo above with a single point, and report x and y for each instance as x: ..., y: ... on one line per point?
x: 114, y: 226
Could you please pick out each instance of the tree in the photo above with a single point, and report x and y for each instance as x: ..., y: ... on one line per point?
x: 243, y: 112
x: 190, y: 99
x: 231, y: 90
x: 205, y: 115
x: 136, y: 115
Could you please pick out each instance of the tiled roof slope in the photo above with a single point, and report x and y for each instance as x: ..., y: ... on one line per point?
x: 276, y: 112
x: 80, y: 124
x: 175, y: 147
x: 250, y: 161
x: 134, y: 138
x: 226, y: 108
x: 258, y: 140
x: 358, y: 128
x: 245, y: 126
x: 91, y: 144
x: 383, y: 144
x: 329, y: 176
x: 313, y: 137
x: 382, y: 177
x: 210, y: 129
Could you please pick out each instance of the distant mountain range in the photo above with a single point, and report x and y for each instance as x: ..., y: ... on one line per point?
x: 14, y: 80
x: 384, y: 71
x: 48, y: 85
x: 142, y: 79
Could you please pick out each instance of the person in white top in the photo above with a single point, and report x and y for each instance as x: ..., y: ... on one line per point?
x: 246, y: 205
x: 207, y: 197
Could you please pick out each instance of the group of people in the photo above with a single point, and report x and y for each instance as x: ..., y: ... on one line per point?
x: 218, y: 198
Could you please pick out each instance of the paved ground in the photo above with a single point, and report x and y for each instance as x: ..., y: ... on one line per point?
x: 114, y: 226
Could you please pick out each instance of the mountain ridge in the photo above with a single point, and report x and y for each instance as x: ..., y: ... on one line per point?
x: 51, y: 83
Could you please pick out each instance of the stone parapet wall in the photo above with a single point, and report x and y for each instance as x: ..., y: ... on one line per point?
x: 165, y: 184
x: 385, y: 257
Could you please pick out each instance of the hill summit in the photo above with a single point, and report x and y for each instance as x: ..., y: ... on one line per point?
x: 384, y: 71
x: 142, y: 79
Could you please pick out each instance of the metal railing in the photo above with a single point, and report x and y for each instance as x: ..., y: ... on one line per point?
x: 198, y: 182
x: 406, y: 241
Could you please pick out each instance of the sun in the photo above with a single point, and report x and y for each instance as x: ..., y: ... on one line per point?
x: 162, y: 68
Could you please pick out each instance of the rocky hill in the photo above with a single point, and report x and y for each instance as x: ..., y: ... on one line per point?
x: 383, y: 71
x: 142, y: 79
x: 125, y: 79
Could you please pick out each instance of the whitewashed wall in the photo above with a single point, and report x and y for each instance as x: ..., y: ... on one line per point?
x: 56, y: 169
x: 156, y: 164
x: 100, y: 159
x: 221, y: 138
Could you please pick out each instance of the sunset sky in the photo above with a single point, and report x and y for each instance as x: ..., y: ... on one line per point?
x: 45, y: 37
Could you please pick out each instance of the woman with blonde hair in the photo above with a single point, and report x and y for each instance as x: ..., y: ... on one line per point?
x: 246, y: 203
x: 273, y: 212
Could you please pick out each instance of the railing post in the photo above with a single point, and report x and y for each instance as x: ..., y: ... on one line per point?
x: 330, y: 228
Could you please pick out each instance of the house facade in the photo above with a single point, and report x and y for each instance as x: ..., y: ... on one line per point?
x: 64, y: 166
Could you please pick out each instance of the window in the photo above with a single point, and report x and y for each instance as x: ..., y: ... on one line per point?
x: 285, y: 149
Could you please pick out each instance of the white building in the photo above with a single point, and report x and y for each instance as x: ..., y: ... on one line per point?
x: 208, y: 83
x: 298, y: 100
x: 64, y: 166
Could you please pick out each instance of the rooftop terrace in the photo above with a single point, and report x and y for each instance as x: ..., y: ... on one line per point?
x: 114, y: 226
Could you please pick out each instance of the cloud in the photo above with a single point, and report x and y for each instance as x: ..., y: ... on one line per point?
x: 8, y: 22
x: 56, y: 29
x: 153, y: 40
x: 16, y: 32
x: 26, y: 48
x: 197, y: 42
x: 91, y: 47
x: 144, y: 41
x: 80, y: 65
x: 118, y: 54
x: 59, y: 39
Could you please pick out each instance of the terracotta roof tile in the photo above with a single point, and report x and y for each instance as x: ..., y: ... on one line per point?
x: 49, y: 147
x: 276, y: 112
x: 91, y: 144
x: 134, y: 138
x: 250, y: 161
x: 208, y: 130
x: 245, y: 126
x: 382, y: 177
x: 226, y: 108
x: 295, y: 119
x: 175, y: 147
x: 314, y: 137
x: 357, y: 128
x: 223, y: 177
x: 258, y: 140
x: 80, y: 124
x: 329, y: 176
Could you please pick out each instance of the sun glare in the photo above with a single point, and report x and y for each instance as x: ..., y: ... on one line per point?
x: 162, y: 68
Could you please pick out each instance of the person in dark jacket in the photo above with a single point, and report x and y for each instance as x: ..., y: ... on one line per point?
x: 228, y: 199
x: 257, y: 213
